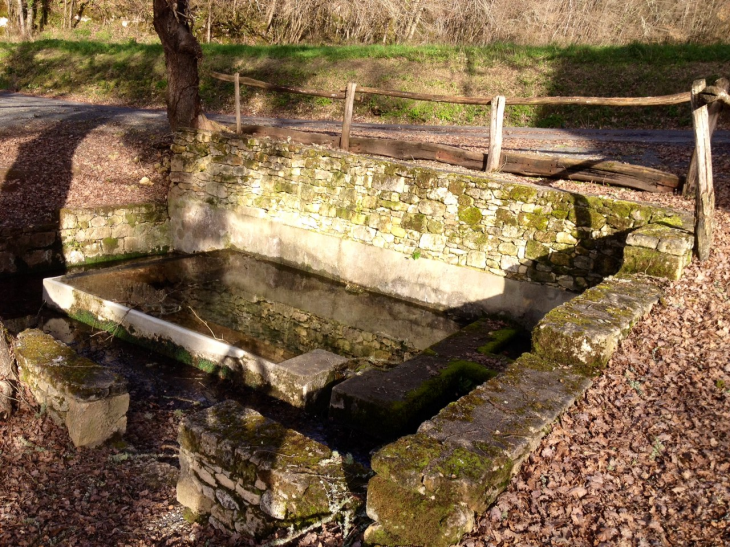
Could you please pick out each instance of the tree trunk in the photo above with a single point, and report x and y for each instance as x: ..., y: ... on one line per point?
x: 182, y: 52
x: 21, y: 18
x: 210, y: 20
x: 29, y: 20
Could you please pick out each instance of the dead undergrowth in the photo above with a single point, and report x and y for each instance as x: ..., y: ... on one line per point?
x: 642, y: 459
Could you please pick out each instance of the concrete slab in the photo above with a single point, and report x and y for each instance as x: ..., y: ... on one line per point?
x: 385, y: 404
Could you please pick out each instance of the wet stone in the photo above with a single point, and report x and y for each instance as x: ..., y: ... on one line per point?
x: 90, y: 400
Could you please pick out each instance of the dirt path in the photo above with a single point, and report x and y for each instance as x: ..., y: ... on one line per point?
x: 18, y: 109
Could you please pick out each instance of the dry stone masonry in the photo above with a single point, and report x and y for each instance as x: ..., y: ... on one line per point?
x: 429, y: 486
x: 103, y: 234
x: 251, y: 475
x: 90, y: 400
x: 515, y: 230
x: 86, y: 236
x: 658, y: 250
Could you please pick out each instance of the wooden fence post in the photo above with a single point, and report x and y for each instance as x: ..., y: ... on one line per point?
x: 713, y: 111
x: 237, y: 83
x: 705, y: 197
x: 494, y: 156
x: 347, y: 121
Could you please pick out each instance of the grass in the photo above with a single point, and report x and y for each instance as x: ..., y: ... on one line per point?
x: 134, y: 73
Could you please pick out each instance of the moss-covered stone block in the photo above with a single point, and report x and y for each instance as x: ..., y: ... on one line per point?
x: 584, y: 334
x: 470, y: 215
x: 252, y: 475
x: 405, y: 517
x: 90, y: 400
x: 651, y: 262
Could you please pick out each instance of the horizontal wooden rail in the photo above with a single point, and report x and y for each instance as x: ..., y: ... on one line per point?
x: 677, y: 98
x: 608, y: 172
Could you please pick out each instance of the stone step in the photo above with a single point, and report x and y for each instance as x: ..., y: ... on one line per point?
x: 385, y: 404
x: 90, y: 400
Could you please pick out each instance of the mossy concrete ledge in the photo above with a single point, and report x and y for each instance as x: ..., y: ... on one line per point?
x: 585, y: 332
x: 386, y: 404
x: 90, y: 400
x: 429, y: 486
x: 658, y: 250
x: 251, y: 475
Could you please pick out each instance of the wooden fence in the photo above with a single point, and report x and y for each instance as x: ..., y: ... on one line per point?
x: 706, y: 102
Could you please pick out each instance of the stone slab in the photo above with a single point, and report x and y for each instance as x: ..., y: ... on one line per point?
x: 90, y: 400
x: 308, y: 376
x: 385, y: 404
x: 585, y: 332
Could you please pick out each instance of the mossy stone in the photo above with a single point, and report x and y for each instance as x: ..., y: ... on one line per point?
x: 470, y: 215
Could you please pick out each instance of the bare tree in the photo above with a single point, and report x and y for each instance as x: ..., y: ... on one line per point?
x: 182, y: 52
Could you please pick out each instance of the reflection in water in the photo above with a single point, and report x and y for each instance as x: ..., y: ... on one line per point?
x: 269, y: 309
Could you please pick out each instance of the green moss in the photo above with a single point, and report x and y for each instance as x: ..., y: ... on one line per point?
x: 507, y: 217
x: 533, y: 220
x: 165, y: 347
x: 470, y: 215
x: 673, y: 221
x: 430, y: 352
x: 131, y: 219
x: 523, y: 193
x: 651, y: 262
x: 536, y: 251
x: 498, y: 340
x: 61, y: 367
x: 456, y: 187
x: 425, y: 179
x: 465, y: 201
x: 109, y: 244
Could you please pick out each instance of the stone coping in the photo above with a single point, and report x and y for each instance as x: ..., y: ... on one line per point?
x: 90, y: 400
x: 429, y: 485
x: 299, y: 381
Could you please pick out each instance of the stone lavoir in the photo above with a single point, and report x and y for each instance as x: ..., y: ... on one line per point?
x: 394, y: 299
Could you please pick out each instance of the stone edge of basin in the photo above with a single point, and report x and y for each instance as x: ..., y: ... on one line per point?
x: 302, y: 381
x: 88, y: 399
x: 385, y: 404
x: 430, y: 485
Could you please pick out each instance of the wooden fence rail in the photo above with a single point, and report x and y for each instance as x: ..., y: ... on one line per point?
x: 706, y: 103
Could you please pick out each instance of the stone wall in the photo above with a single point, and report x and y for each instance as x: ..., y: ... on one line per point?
x: 251, y: 475
x: 36, y: 248
x: 516, y: 230
x: 110, y: 233
x: 86, y: 236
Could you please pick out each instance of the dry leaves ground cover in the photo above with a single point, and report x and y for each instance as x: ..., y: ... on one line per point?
x: 642, y: 459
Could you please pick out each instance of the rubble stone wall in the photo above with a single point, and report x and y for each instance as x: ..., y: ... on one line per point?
x: 516, y: 230
x: 86, y: 236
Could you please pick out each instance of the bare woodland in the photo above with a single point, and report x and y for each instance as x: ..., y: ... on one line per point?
x: 462, y: 22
